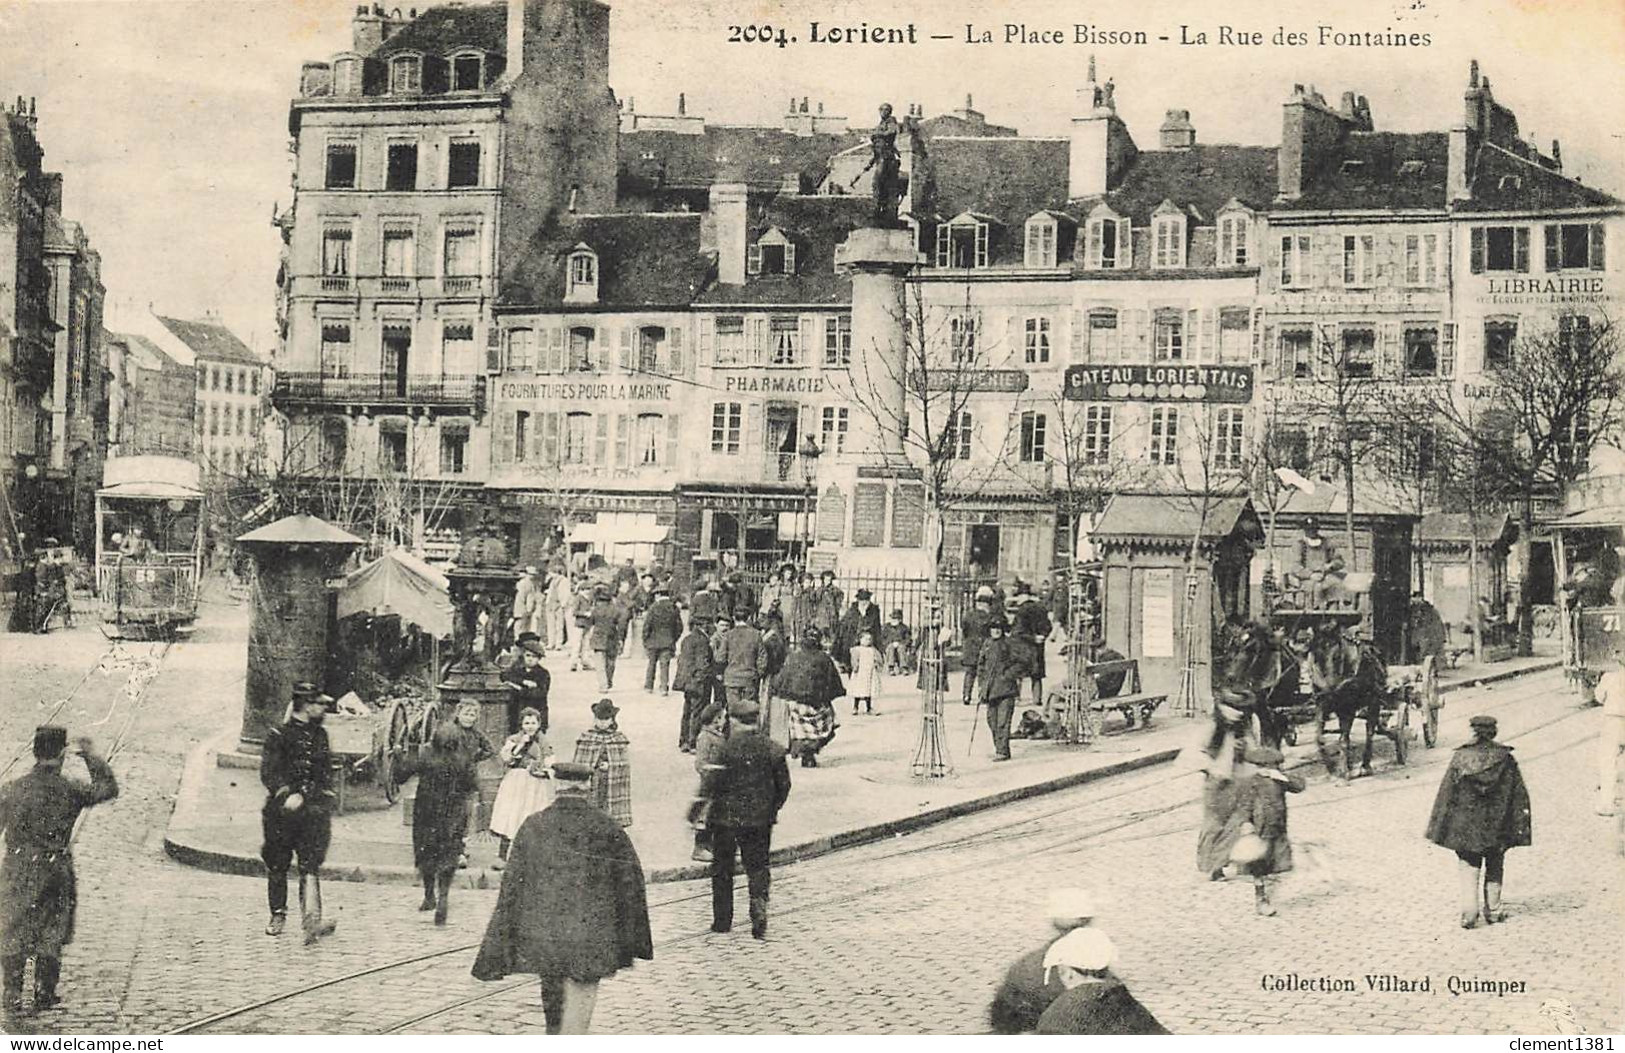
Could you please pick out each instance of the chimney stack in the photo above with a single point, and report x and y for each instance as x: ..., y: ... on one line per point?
x: 728, y: 217
x: 366, y: 29
x: 1557, y: 154
x: 516, y: 42
x: 1177, y: 132
x: 682, y: 104
x: 1311, y: 135
x: 1456, y: 188
x: 1101, y: 146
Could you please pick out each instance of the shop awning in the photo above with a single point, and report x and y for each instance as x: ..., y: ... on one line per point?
x: 156, y: 490
x: 1601, y: 516
x: 1167, y: 517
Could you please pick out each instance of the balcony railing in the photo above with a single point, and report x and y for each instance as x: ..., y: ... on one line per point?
x: 366, y: 285
x: 411, y: 389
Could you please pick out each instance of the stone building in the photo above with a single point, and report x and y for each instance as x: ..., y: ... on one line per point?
x: 154, y: 399
x: 229, y: 402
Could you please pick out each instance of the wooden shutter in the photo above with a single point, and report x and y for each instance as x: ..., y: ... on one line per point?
x: 625, y: 334
x: 600, y: 345
x: 1211, y: 351
x: 673, y: 438
x: 810, y: 352
x: 549, y: 428
x: 753, y: 258
x: 1080, y: 349
x: 1520, y: 249
x: 674, y: 351
x: 942, y: 245
x: 623, y: 440
x: 1390, y: 351
x: 705, y: 354
x: 1193, y: 344
x: 1478, y: 250
x: 1554, y: 255
x: 756, y: 353
x: 1447, y: 350
x: 1092, y: 252
x: 553, y: 355
x: 1598, y: 259
x: 1125, y: 244
x: 505, y: 428
x: 493, y: 350
x: 751, y: 439
x: 789, y: 257
x: 1268, y: 355
x: 1140, y: 339
x: 600, y: 442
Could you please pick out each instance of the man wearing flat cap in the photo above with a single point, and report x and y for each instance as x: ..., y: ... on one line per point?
x: 38, y: 890
x: 1481, y: 811
x: 747, y: 783
x: 573, y: 908
x: 296, y: 766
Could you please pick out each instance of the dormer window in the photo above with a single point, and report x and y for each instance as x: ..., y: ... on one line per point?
x: 581, y: 281
x: 773, y: 253
x: 406, y: 74
x: 467, y: 71
x: 1109, y: 245
x: 1234, y: 250
x: 1041, y: 238
x: 1167, y: 237
x: 963, y: 242
x: 347, y: 76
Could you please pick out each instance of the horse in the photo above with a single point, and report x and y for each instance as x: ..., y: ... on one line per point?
x: 1262, y: 669
x: 1349, y: 680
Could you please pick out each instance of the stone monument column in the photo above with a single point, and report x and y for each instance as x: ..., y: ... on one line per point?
x: 878, y: 262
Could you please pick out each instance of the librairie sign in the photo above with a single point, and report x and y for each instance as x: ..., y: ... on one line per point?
x: 1159, y: 383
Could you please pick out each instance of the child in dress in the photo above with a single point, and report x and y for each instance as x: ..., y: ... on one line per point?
x: 865, y: 682
x: 528, y: 785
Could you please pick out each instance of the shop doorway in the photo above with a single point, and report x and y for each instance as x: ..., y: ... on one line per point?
x: 984, y: 550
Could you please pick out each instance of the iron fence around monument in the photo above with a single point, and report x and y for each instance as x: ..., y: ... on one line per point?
x: 893, y: 592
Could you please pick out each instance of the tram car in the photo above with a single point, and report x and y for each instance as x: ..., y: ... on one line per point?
x: 1591, y: 566
x: 149, y: 545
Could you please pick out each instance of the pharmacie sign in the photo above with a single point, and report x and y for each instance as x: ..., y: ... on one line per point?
x: 1160, y: 383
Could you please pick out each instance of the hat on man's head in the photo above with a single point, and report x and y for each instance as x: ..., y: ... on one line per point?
x: 570, y: 771
x: 1088, y: 949
x: 1023, y: 589
x: 604, y: 709
x: 984, y: 592
x: 743, y: 612
x: 49, y: 740
x: 897, y: 613
x: 812, y: 636
x: 533, y: 646
x: 662, y: 590
x: 723, y: 619
x: 1483, y: 722
x: 863, y: 594
x: 744, y: 710
x: 826, y: 574
x: 524, y: 636
x: 305, y: 691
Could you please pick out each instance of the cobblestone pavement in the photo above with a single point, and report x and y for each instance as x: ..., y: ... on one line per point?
x: 907, y: 936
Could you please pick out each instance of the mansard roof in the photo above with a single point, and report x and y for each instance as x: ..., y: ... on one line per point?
x: 1383, y: 171
x: 1502, y: 181
x: 657, y: 160
x: 442, y: 30
x: 644, y: 260
x: 817, y: 225
x: 1007, y: 179
x: 1201, y: 180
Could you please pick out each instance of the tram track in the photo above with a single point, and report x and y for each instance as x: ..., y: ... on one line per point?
x: 982, y: 841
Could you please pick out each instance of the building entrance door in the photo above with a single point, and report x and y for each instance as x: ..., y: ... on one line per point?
x: 397, y: 350
x: 984, y: 550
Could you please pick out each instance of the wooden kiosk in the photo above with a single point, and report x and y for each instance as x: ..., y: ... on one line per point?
x: 1151, y: 590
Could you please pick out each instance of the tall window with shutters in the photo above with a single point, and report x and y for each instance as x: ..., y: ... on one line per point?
x: 1294, y: 261
x: 1422, y: 259
x: 337, y: 350
x: 648, y: 439
x: 1168, y: 240
x: 1034, y: 436
x: 1108, y: 243
x: 521, y: 436
x: 521, y: 350
x: 963, y: 242
x: 1164, y: 435
x: 578, y: 434
x: 1230, y: 439
x: 833, y: 426
x: 1097, y: 433
x: 1169, y: 345
x: 727, y: 424
x: 957, y: 441
x: 1499, y: 249
x: 1235, y: 335
x: 963, y: 330
x: 1103, y: 335
x: 583, y: 350
x: 730, y: 340
x: 1422, y: 351
x: 1359, y: 259
x: 784, y: 340
x: 1359, y: 352
x: 1036, y: 332
x: 1575, y: 246
x: 838, y: 341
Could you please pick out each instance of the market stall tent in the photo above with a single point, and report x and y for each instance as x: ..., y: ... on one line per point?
x: 399, y: 583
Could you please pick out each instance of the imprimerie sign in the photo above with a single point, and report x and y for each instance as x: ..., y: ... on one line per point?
x: 1160, y: 383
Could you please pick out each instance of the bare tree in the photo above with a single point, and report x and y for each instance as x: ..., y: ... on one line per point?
x: 1540, y: 415
x: 1347, y: 403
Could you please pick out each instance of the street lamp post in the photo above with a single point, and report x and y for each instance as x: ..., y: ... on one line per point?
x: 809, y: 472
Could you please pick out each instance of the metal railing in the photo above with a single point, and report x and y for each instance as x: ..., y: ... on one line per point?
x: 416, y: 389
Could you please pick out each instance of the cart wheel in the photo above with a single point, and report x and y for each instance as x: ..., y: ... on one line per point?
x: 397, y: 724
x: 1402, y: 732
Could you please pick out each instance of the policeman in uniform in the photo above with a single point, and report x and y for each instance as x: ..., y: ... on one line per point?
x: 38, y: 890
x: 297, y: 769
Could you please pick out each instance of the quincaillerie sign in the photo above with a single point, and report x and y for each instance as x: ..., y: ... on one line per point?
x: 1164, y: 383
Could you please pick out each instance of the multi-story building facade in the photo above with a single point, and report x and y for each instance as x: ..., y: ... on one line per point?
x: 423, y: 150
x: 53, y: 396
x: 154, y: 399
x: 229, y: 400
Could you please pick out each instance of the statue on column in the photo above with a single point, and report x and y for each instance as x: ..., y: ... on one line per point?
x: 887, y: 163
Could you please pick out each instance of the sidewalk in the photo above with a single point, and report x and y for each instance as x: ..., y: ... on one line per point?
x: 862, y: 790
